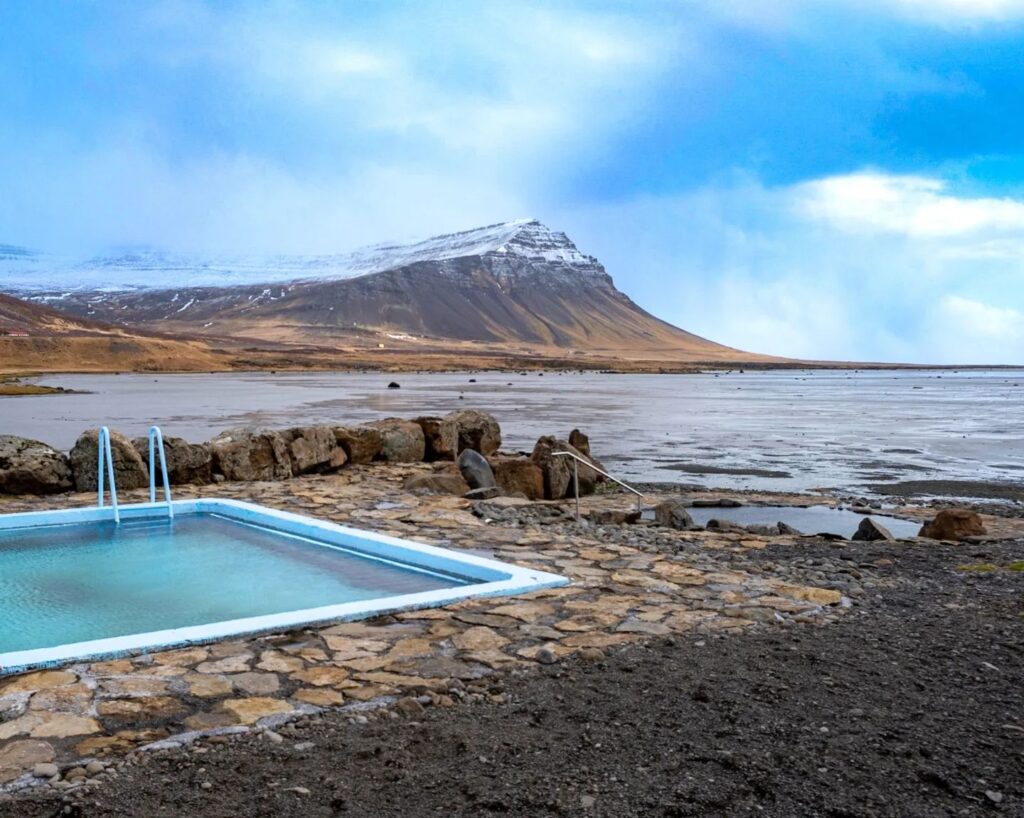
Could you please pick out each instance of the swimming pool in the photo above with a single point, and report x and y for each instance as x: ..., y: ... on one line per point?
x: 75, y: 585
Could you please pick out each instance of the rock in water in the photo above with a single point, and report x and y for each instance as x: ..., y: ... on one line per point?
x: 251, y: 454
x: 580, y: 441
x: 869, y: 531
x: 477, y: 430
x: 441, y: 436
x: 129, y: 470
x: 673, y: 514
x: 187, y: 463
x: 954, y: 524
x: 30, y: 467
x: 476, y: 470
x: 403, y: 440
x: 519, y: 475
x: 361, y: 444
x: 394, y: 385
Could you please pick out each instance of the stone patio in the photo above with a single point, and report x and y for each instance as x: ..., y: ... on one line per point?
x: 63, y: 726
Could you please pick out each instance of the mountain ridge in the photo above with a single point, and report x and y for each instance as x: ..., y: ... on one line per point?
x: 514, y: 288
x: 27, y: 271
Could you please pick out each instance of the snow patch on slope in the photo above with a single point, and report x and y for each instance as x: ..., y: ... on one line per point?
x: 28, y: 271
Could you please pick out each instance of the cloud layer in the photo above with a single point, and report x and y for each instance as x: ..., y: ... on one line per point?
x: 894, y: 268
x: 825, y: 180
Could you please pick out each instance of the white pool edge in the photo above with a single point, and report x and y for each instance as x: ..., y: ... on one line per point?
x: 495, y: 579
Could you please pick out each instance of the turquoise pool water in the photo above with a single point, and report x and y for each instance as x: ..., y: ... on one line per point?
x: 64, y: 584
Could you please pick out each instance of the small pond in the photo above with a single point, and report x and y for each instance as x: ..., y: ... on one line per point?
x: 812, y: 520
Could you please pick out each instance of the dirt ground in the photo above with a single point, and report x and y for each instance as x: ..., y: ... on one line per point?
x: 909, y: 706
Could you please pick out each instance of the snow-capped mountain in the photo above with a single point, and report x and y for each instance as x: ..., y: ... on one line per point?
x: 512, y: 283
x: 26, y: 271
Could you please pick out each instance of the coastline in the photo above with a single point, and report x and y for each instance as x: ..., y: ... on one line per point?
x: 529, y: 365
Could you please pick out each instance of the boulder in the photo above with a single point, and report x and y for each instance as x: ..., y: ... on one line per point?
x: 580, y: 441
x: 438, y: 483
x: 30, y: 467
x: 558, y: 471
x: 870, y: 531
x: 477, y: 430
x: 476, y: 470
x: 361, y: 444
x: 402, y: 440
x: 488, y: 493
x: 762, y: 529
x: 954, y: 524
x: 673, y: 514
x: 613, y: 516
x: 129, y: 469
x: 314, y: 450
x: 187, y: 463
x: 716, y: 502
x: 727, y: 527
x: 519, y: 475
x: 251, y: 454
x: 441, y: 437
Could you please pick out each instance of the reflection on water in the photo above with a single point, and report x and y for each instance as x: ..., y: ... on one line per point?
x: 785, y: 430
x: 813, y: 520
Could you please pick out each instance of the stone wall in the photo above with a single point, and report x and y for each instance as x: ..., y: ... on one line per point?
x: 250, y: 454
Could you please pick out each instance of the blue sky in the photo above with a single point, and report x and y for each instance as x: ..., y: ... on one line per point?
x: 829, y: 179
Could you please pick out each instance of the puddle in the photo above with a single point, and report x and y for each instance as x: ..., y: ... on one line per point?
x: 813, y: 520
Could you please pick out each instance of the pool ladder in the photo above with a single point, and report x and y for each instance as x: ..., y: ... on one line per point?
x: 106, y: 469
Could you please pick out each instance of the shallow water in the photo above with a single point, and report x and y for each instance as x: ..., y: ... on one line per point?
x: 783, y: 430
x: 73, y: 583
x: 813, y: 520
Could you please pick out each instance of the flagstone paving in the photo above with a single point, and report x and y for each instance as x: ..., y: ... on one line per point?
x: 629, y: 583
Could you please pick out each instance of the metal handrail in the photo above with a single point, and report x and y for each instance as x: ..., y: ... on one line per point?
x: 576, y: 460
x: 156, y: 443
x: 106, y: 457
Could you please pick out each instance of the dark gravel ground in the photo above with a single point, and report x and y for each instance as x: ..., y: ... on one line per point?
x: 912, y: 705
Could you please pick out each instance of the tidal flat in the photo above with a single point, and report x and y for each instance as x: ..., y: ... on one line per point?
x: 919, y: 433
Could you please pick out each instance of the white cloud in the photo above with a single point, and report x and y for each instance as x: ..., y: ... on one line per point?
x: 916, y: 206
x: 958, y: 11
x: 966, y: 330
x: 1002, y: 324
x: 789, y: 16
x: 365, y: 126
x: 872, y: 280
x: 530, y: 76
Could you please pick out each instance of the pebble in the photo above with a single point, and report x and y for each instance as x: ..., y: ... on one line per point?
x: 994, y: 796
x: 546, y: 656
x: 45, y: 770
x: 409, y: 706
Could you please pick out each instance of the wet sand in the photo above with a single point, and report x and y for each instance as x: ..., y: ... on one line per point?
x: 777, y: 430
